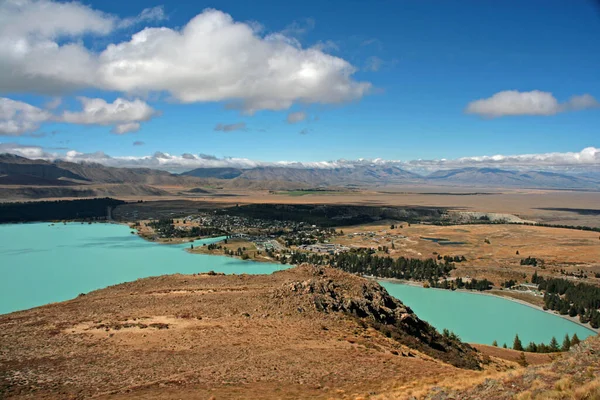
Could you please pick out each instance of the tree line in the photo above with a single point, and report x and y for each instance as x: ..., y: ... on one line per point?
x: 363, y: 262
x: 81, y: 209
x: 552, y: 347
x: 166, y: 227
x: 531, y: 261
x: 566, y: 297
x: 503, y: 222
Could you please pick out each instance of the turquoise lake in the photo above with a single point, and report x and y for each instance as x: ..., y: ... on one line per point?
x: 40, y: 264
x: 480, y: 318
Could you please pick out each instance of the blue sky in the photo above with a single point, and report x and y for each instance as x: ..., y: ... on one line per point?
x: 425, y: 61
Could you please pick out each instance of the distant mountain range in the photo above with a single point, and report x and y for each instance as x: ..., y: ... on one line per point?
x: 503, y: 178
x: 375, y: 175
x: 362, y: 175
x: 16, y: 170
x: 23, y: 171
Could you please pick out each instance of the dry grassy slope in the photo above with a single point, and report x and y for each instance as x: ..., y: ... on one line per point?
x: 285, y: 335
x: 574, y: 375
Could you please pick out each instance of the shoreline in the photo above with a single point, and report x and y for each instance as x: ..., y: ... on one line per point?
x: 371, y: 277
x: 523, y: 302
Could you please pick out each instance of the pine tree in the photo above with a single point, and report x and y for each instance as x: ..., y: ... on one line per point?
x: 495, y: 344
x: 523, y: 360
x: 531, y: 347
x: 574, y: 340
x: 517, y: 345
x: 554, y: 344
x: 566, y: 344
x: 504, y: 346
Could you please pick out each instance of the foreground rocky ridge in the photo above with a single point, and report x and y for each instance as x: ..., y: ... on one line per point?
x: 372, y: 305
x: 305, y: 332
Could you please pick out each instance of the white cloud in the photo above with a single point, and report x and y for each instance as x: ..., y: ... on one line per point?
x: 373, y: 64
x: 295, y: 117
x: 299, y: 28
x: 513, y: 102
x: 147, y: 15
x: 53, y: 104
x: 18, y: 118
x: 125, y: 115
x: 240, y: 126
x: 211, y: 59
x: 214, y: 58
x: 50, y: 19
x: 587, y: 159
x: 128, y: 127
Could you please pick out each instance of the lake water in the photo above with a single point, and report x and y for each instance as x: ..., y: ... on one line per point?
x: 40, y: 264
x: 480, y: 318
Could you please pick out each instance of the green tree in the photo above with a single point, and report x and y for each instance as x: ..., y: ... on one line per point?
x: 554, y: 344
x: 495, y: 344
x: 517, y: 345
x: 531, y: 347
x: 504, y: 346
x: 574, y: 340
x: 523, y: 360
x: 566, y: 344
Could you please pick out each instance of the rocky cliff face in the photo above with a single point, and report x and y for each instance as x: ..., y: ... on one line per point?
x: 370, y: 303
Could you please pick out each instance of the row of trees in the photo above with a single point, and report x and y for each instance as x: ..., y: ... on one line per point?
x: 166, y: 227
x: 449, y: 259
x: 531, y: 261
x: 552, y: 347
x: 570, y: 298
x: 485, y: 221
x: 84, y: 209
x: 363, y: 262
x: 458, y: 283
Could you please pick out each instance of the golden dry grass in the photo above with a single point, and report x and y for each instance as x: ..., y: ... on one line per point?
x: 566, y: 249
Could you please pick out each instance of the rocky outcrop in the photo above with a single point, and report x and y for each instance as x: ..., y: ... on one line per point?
x: 369, y: 302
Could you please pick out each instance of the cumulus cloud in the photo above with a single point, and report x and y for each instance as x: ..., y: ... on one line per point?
x: 41, y: 47
x: 18, y: 118
x: 240, y: 126
x: 125, y: 115
x: 211, y: 59
x: 50, y: 19
x: 587, y: 159
x: 295, y: 117
x: 513, y: 102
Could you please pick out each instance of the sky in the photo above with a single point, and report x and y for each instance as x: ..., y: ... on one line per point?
x: 315, y: 82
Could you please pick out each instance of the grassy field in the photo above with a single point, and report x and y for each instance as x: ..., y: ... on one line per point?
x: 296, y: 193
x: 560, y: 249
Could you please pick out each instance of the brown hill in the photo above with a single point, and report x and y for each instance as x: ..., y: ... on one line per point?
x: 12, y: 165
x: 306, y: 332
